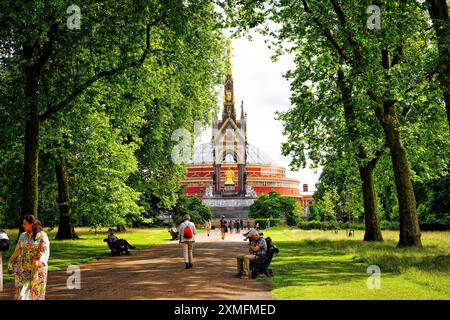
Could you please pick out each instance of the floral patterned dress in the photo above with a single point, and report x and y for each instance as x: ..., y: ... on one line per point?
x: 30, y: 278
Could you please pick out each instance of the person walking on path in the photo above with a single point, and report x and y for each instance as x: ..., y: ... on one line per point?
x: 208, y: 226
x: 238, y: 226
x: 230, y: 226
x: 29, y: 262
x: 187, y: 239
x: 223, y: 227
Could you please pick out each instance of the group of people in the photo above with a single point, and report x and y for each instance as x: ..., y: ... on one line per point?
x: 232, y: 225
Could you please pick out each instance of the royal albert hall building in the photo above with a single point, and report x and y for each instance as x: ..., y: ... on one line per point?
x: 263, y: 175
x: 256, y: 171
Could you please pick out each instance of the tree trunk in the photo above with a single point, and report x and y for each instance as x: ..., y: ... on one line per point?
x: 438, y: 11
x: 409, y: 225
x: 32, y: 72
x: 372, y: 221
x: 30, y: 172
x: 66, y: 230
x: 121, y: 228
x: 31, y: 152
x: 372, y: 230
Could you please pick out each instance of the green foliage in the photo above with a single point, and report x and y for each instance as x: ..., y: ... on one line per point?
x: 110, y: 96
x: 342, y: 180
x: 263, y: 222
x: 327, y: 205
x: 273, y: 205
x: 351, y: 86
x: 314, y: 212
x: 314, y: 224
x: 193, y: 206
x: 433, y: 201
x: 326, y: 225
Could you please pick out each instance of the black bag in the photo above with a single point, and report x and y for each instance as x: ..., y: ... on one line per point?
x: 4, y: 242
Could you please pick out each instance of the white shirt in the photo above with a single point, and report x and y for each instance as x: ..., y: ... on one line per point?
x: 183, y: 225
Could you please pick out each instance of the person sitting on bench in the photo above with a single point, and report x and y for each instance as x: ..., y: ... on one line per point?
x: 120, y: 242
x: 257, y: 248
x: 174, y: 232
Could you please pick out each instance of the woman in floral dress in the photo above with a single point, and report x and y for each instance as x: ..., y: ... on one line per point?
x: 29, y: 261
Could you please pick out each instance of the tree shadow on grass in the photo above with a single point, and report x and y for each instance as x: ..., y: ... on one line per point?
x: 327, y: 262
x: 315, y: 263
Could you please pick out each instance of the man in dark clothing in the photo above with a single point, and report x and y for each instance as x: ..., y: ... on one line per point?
x: 223, y: 227
x: 238, y: 226
x: 121, y: 242
x: 257, y: 248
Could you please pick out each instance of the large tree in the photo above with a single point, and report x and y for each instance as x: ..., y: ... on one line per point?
x: 55, y: 66
x: 385, y: 67
x: 438, y: 10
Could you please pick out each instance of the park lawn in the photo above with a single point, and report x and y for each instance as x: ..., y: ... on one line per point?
x: 317, y: 264
x: 89, y: 247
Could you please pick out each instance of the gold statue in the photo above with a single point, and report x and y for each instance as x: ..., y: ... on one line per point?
x: 229, y: 175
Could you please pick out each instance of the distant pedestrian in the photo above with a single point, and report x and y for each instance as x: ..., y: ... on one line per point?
x: 267, y: 224
x: 238, y: 226
x: 230, y: 226
x: 208, y: 227
x: 241, y: 223
x: 223, y: 227
x: 187, y: 238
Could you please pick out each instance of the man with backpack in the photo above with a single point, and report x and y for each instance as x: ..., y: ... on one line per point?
x: 257, y: 249
x: 187, y: 238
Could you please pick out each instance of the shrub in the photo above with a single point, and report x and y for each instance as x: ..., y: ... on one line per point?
x: 386, y: 225
x: 273, y: 205
x: 263, y: 222
x: 193, y: 206
x: 327, y: 225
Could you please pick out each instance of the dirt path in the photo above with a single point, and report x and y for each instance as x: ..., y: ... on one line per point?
x: 158, y: 273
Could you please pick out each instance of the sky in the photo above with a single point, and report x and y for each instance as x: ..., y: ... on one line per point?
x: 260, y: 84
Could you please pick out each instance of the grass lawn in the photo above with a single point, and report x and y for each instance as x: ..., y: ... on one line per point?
x: 89, y: 247
x: 317, y: 264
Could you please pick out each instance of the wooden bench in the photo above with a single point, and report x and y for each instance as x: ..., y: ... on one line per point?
x: 173, y: 234
x: 260, y: 266
x: 115, y: 247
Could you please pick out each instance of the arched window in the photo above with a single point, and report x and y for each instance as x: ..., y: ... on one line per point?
x: 305, y: 188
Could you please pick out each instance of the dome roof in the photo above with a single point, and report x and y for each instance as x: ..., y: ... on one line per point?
x: 203, y: 153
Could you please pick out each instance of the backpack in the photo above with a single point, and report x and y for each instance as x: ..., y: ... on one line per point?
x: 4, y: 241
x: 187, y: 232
